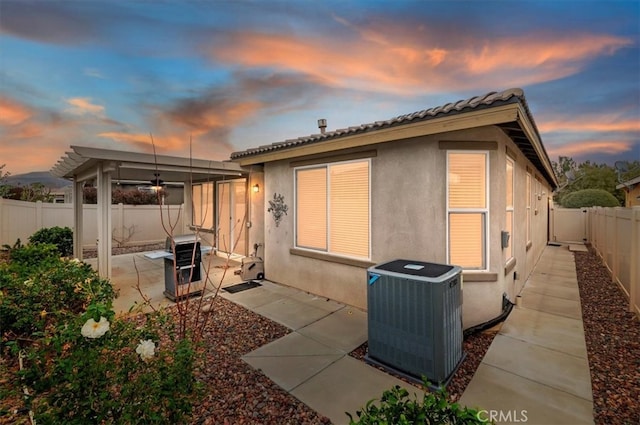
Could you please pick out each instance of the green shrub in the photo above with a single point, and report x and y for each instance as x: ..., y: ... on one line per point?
x: 396, y: 408
x: 28, y: 259
x: 82, y: 364
x: 38, y: 290
x: 61, y: 237
x: 78, y: 379
x: 589, y: 198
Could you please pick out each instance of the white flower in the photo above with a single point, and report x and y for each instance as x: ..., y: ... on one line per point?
x: 146, y: 349
x: 93, y: 329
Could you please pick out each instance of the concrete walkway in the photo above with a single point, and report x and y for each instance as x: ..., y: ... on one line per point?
x: 312, y: 362
x: 536, y: 371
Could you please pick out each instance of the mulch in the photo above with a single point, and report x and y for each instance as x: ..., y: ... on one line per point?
x: 475, y: 346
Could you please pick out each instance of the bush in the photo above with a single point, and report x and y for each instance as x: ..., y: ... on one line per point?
x: 61, y: 237
x: 39, y: 290
x: 395, y: 407
x: 126, y: 197
x: 27, y: 259
x: 589, y: 198
x: 110, y: 378
x: 81, y: 363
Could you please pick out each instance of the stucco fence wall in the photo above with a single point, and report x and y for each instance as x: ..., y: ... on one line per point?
x: 132, y: 224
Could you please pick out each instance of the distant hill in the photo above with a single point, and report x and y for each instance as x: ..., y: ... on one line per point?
x: 43, y: 177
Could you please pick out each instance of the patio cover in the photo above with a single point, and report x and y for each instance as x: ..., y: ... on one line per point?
x: 83, y: 164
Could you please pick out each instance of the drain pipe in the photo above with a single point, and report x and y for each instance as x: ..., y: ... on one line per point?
x: 507, y: 306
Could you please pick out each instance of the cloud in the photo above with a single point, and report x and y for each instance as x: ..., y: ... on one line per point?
x: 589, y: 123
x: 83, y: 106
x: 387, y: 57
x: 590, y: 148
x: 93, y: 72
x: 163, y: 143
x: 28, y: 128
x: 210, y: 116
x: 51, y: 22
x: 13, y: 112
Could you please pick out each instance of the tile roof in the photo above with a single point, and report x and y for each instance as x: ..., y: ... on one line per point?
x: 538, y: 157
x: 491, y: 99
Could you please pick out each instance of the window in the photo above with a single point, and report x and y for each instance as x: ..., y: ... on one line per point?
x: 202, y: 197
x: 509, y: 192
x: 529, y: 195
x: 467, y: 208
x: 332, y: 208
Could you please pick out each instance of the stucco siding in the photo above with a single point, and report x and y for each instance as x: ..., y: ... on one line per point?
x: 408, y: 194
x: 408, y: 220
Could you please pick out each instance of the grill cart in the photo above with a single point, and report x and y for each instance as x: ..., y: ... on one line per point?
x: 183, y: 277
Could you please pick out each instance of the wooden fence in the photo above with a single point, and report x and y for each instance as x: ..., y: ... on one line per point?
x: 615, y: 235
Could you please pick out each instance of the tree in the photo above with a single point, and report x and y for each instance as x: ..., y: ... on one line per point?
x: 586, y: 175
x: 4, y: 187
x: 126, y: 197
x: 632, y: 170
x: 36, y: 192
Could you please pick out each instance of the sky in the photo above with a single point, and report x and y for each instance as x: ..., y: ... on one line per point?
x: 212, y: 77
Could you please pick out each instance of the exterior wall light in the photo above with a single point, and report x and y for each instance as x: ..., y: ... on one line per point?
x: 256, y: 188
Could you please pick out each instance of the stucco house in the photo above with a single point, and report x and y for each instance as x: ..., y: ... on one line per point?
x: 631, y: 190
x: 466, y: 183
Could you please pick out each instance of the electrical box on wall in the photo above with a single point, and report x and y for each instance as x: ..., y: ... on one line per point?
x: 505, y: 239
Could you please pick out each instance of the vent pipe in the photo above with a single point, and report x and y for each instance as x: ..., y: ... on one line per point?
x: 322, y: 125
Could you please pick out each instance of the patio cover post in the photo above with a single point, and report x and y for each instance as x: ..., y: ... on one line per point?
x: 104, y: 221
x: 77, y: 217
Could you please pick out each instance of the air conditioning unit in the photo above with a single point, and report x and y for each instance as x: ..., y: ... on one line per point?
x: 415, y: 319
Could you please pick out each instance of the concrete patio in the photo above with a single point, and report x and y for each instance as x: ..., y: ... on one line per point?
x: 138, y: 270
x: 536, y: 368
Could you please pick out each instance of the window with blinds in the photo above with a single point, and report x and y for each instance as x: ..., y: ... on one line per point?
x: 332, y: 208
x: 467, y: 208
x: 311, y: 208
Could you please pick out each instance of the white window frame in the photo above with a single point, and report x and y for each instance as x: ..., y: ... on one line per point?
x: 510, y: 208
x: 327, y: 166
x: 484, y: 211
x: 205, y: 207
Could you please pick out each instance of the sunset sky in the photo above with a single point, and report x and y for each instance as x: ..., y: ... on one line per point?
x: 235, y: 75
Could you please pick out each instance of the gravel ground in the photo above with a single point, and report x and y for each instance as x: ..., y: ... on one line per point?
x: 235, y: 393
x: 474, y: 346
x: 93, y: 252
x: 613, y: 344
